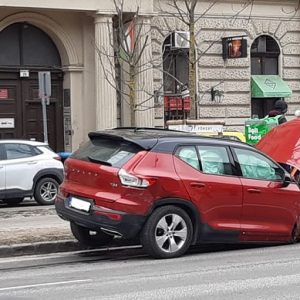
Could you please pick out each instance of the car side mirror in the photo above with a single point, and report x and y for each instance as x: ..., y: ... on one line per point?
x: 286, y: 181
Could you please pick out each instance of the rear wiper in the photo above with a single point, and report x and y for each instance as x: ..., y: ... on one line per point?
x: 99, y: 161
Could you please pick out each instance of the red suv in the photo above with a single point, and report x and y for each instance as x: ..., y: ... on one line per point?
x: 174, y: 189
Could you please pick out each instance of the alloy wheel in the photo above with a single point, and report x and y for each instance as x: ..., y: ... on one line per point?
x: 48, y: 191
x: 171, y: 233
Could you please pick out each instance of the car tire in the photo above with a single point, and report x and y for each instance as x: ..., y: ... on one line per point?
x: 46, y: 191
x: 167, y: 233
x: 89, y: 237
x: 12, y: 202
x: 295, y: 236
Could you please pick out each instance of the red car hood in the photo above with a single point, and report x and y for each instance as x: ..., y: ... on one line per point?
x: 282, y: 143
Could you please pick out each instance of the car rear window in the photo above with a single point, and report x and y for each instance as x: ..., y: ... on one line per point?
x: 107, y: 151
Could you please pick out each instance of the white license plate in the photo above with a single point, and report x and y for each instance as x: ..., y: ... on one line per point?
x: 80, y: 204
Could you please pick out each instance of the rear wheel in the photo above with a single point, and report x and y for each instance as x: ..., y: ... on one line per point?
x: 46, y: 191
x: 167, y: 233
x: 295, y: 236
x: 13, y: 202
x: 89, y: 237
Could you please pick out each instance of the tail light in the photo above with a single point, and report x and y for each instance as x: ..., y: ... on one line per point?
x: 57, y: 158
x: 135, y: 181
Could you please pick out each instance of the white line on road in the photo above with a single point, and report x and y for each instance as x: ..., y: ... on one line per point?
x: 43, y: 284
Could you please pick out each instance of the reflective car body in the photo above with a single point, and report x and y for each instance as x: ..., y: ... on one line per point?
x: 282, y: 143
x: 173, y: 189
x: 28, y: 168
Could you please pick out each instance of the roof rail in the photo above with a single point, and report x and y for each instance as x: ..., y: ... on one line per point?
x: 146, y: 128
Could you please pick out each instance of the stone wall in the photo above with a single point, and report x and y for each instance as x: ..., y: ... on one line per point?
x: 232, y: 76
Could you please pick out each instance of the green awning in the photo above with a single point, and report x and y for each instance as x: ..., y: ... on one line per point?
x: 269, y: 86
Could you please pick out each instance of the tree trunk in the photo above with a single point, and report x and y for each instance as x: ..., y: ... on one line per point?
x: 192, y: 69
x: 132, y: 94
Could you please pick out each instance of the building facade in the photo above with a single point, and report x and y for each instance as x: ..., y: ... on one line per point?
x: 62, y: 37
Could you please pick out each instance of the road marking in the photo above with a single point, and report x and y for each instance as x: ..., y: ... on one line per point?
x: 43, y: 284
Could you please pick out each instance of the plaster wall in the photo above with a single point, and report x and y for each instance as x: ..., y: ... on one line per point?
x: 232, y: 76
x: 71, y: 26
x: 106, y: 6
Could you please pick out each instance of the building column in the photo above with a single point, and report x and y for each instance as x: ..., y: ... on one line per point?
x: 144, y: 86
x: 106, y: 96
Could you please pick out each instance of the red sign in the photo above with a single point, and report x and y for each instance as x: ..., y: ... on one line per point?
x: 175, y: 103
x: 3, y: 93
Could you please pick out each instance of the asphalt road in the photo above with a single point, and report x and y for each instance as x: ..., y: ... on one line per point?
x: 204, y: 273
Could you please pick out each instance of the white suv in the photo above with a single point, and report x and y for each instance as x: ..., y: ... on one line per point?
x: 28, y: 168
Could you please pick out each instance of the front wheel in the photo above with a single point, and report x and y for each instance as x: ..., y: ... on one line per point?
x: 46, y: 191
x: 89, y: 237
x: 167, y: 233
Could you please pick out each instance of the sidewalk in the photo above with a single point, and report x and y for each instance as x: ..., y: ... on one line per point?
x: 34, y: 230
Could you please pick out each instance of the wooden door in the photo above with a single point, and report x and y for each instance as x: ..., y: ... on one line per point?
x: 10, y: 110
x: 33, y: 115
x: 24, y: 106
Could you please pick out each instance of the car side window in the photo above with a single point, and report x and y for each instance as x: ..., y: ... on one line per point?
x: 189, y: 155
x: 255, y: 165
x: 14, y: 151
x: 214, y: 160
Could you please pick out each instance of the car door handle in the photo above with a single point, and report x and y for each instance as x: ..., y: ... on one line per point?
x: 197, y: 184
x: 254, y: 191
x: 32, y: 163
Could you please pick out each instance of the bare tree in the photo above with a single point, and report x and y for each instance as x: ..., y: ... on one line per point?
x: 129, y: 41
x: 185, y: 11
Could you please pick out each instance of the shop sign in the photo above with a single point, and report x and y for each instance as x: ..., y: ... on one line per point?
x: 3, y: 93
x: 197, y: 128
x: 7, y: 123
x: 24, y: 73
x: 176, y: 103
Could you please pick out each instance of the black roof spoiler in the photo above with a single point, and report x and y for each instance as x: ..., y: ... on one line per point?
x: 145, y: 144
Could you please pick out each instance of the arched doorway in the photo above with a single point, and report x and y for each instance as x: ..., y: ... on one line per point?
x: 264, y: 61
x: 25, y: 50
x: 176, y: 75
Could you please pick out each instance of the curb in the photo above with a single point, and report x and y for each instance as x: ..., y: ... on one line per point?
x: 40, y: 248
x: 50, y: 247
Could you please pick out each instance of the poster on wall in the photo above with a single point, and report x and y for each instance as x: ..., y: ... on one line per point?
x: 234, y: 47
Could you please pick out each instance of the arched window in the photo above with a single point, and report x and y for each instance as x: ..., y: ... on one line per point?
x: 264, y: 56
x: 264, y: 61
x: 176, y: 75
x: 18, y: 43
